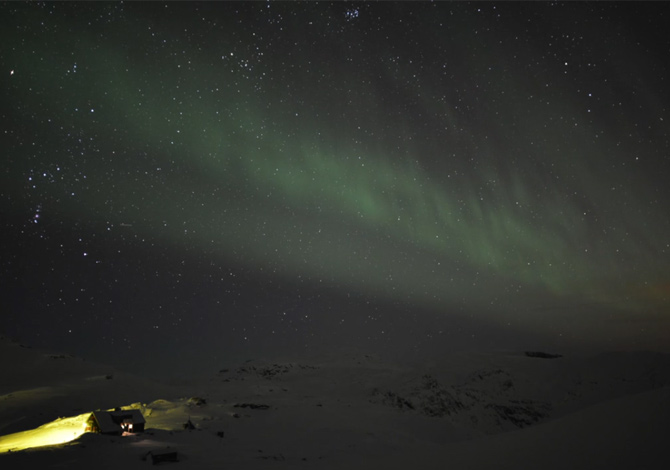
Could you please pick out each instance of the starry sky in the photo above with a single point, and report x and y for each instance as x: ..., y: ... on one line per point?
x: 209, y: 182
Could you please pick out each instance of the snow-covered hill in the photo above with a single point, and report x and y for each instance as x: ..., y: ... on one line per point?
x: 465, y: 410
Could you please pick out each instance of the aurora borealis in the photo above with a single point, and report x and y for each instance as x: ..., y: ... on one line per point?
x: 266, y: 177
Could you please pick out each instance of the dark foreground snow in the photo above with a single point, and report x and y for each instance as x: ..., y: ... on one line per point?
x: 465, y: 411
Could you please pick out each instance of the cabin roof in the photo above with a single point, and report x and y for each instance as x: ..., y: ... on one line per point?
x: 135, y: 415
x: 110, y: 421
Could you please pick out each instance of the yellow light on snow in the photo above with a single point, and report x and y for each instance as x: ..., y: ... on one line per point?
x: 59, y: 431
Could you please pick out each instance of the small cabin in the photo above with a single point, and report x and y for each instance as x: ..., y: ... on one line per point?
x: 116, y: 422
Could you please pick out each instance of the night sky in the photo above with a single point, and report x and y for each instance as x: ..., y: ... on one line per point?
x: 211, y: 182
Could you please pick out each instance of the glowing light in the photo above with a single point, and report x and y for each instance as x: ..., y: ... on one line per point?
x: 56, y: 432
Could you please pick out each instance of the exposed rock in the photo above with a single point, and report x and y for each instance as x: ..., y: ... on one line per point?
x: 389, y: 398
x: 542, y: 355
x: 521, y: 413
x: 251, y: 406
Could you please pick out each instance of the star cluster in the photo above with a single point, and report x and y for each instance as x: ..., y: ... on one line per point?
x: 230, y: 179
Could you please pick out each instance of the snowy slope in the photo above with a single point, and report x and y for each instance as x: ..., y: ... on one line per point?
x: 466, y: 410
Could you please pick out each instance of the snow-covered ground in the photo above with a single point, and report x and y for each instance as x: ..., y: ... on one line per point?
x: 465, y: 411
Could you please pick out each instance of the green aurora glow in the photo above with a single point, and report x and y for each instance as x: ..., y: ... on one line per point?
x: 507, y: 202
